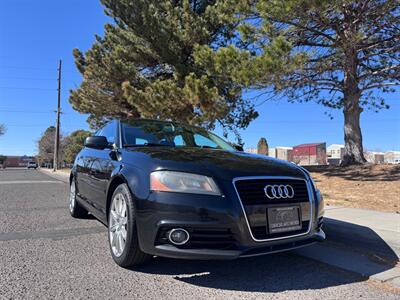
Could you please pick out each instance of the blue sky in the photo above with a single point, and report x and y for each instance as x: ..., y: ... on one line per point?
x: 34, y: 35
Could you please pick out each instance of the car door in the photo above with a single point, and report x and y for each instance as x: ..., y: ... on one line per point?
x: 101, y: 169
x: 83, y: 162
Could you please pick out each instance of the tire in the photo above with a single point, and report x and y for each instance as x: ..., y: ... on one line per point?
x: 122, y: 231
x: 75, y: 209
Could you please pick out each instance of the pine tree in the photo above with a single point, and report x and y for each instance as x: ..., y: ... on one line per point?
x: 144, y: 65
x: 262, y: 146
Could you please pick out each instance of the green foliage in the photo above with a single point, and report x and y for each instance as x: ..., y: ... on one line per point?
x: 3, y: 158
x: 343, y: 54
x: 73, y: 144
x: 306, y: 49
x: 145, y: 65
x: 46, y: 145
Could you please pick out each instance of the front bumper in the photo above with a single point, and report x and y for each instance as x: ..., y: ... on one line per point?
x: 214, y: 254
x: 205, y: 216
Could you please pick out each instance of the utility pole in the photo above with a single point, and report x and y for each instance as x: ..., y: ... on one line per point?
x: 57, y: 137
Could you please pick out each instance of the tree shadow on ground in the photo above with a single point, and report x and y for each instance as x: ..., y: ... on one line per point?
x: 367, y: 172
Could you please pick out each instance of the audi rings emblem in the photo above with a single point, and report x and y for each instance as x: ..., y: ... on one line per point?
x: 279, y: 191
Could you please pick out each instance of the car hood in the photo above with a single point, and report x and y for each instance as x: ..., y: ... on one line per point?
x: 216, y: 163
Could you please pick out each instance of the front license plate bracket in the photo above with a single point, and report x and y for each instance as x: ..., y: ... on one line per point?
x: 284, y: 219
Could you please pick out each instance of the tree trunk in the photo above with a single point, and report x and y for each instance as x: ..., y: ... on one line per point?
x: 353, y: 154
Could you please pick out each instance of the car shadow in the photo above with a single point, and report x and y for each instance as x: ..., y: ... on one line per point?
x: 289, y: 271
x: 271, y: 273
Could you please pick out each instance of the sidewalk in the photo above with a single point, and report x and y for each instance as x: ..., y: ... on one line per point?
x: 385, y: 225
x: 362, y: 241
x: 61, y: 175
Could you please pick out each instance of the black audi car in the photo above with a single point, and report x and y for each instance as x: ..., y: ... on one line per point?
x: 167, y: 189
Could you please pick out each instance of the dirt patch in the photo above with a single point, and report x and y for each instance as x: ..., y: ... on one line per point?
x: 375, y: 187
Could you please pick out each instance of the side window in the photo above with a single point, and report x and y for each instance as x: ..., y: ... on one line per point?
x: 178, y: 140
x: 202, y: 141
x: 109, y: 132
x: 140, y: 141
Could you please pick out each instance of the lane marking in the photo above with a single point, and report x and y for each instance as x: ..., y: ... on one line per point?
x: 29, y: 181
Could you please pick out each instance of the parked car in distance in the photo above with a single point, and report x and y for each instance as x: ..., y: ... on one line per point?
x: 32, y: 165
x: 167, y: 189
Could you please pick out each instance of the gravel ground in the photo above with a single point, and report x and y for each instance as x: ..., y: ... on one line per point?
x: 47, y: 254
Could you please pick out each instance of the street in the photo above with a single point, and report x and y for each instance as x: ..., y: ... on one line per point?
x: 45, y: 253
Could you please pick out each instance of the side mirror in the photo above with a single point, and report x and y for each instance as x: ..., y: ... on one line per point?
x: 238, y: 148
x: 97, y: 142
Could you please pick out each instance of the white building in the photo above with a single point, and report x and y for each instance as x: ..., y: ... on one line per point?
x: 392, y: 157
x: 272, y: 152
x: 284, y: 153
x: 251, y: 150
x: 335, y: 151
x: 374, y: 157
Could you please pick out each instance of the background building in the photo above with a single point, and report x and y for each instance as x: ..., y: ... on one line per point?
x: 309, y: 154
x: 18, y: 161
x: 272, y: 152
x: 284, y: 153
x: 392, y: 157
x: 251, y: 150
x: 374, y: 157
x: 334, y: 154
x: 335, y: 151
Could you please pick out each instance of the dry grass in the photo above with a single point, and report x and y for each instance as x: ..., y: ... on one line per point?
x: 375, y: 187
x: 66, y: 170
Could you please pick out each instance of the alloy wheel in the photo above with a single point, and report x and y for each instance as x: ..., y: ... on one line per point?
x: 72, y: 196
x: 118, y: 221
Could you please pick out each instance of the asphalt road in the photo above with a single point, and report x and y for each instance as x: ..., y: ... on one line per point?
x: 44, y: 253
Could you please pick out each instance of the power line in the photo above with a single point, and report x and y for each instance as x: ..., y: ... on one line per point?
x: 25, y: 88
x: 27, y: 68
x: 27, y: 78
x: 72, y: 82
x: 30, y: 125
x: 26, y: 111
x: 36, y: 68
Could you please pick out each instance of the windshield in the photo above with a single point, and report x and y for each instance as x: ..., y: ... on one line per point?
x: 157, y: 133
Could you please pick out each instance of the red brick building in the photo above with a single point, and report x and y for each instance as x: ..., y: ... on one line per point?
x: 309, y: 154
x: 18, y: 161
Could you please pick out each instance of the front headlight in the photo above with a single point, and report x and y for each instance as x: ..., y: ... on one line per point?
x: 180, y: 182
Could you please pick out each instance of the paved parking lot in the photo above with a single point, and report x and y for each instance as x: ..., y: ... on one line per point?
x: 44, y: 253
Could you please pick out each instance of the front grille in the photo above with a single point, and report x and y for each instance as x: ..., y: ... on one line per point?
x: 251, y: 192
x: 202, y: 238
x: 256, y: 204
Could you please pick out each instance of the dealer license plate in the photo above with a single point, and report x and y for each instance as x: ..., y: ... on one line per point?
x: 284, y: 219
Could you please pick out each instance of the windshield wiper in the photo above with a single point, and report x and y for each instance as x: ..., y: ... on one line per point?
x: 149, y: 145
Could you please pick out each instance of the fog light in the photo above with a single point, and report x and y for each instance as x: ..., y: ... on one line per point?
x: 178, y: 236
